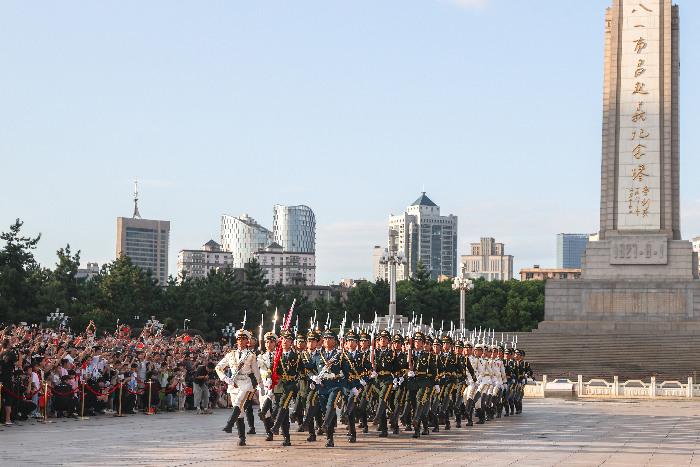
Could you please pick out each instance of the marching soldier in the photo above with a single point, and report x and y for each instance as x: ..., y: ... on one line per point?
x: 298, y: 415
x: 267, y: 397
x: 369, y: 376
x: 288, y: 369
x: 400, y: 407
x: 331, y: 370
x: 313, y: 413
x: 421, y: 381
x: 385, y: 363
x: 356, y: 382
x: 243, y: 363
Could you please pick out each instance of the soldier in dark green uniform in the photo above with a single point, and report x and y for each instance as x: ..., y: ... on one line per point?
x: 385, y: 367
x: 365, y: 397
x: 400, y: 408
x: 298, y: 415
x: 288, y: 373
x: 421, y: 382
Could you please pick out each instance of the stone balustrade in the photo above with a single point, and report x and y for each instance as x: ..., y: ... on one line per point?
x: 598, y: 388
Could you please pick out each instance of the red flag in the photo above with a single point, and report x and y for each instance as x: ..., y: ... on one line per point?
x: 278, y: 351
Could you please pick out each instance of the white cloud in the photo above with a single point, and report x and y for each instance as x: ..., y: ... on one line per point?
x: 467, y: 4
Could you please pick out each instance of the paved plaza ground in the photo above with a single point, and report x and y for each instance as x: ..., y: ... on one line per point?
x: 550, y: 432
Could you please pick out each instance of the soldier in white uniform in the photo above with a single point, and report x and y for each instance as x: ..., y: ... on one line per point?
x: 469, y: 394
x: 265, y: 362
x: 243, y: 363
x: 483, y: 381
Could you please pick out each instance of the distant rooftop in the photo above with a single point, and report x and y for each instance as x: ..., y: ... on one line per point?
x: 423, y: 200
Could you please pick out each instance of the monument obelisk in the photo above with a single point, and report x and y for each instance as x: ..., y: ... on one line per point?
x: 640, y: 275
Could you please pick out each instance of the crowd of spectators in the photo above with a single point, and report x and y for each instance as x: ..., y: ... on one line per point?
x: 55, y: 373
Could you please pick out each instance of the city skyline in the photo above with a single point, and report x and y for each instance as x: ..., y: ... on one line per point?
x: 323, y: 106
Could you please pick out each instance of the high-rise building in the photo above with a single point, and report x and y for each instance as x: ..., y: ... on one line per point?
x: 294, y: 228
x: 145, y: 242
x: 570, y: 249
x: 243, y: 236
x: 197, y: 264
x: 380, y: 271
x: 487, y: 260
x: 287, y: 267
x: 423, y: 235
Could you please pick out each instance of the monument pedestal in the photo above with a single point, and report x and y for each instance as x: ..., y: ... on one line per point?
x: 630, y: 284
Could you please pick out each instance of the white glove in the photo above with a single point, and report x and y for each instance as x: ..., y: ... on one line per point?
x: 373, y: 375
x: 401, y: 380
x: 396, y: 382
x: 363, y: 382
x: 436, y: 387
x: 355, y: 391
x: 268, y: 383
x: 227, y: 380
x: 317, y: 379
x: 411, y: 374
x: 312, y: 386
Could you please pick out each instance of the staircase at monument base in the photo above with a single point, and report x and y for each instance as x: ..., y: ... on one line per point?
x: 629, y: 356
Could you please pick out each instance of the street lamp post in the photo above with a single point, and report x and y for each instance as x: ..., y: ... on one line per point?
x: 392, y: 260
x: 60, y: 318
x: 184, y: 325
x: 463, y: 284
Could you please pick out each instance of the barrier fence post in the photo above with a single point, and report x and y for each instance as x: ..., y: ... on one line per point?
x: 616, y: 386
x: 46, y: 402
x: 82, y: 404
x: 544, y: 384
x: 579, y: 389
x: 652, y: 387
x: 119, y: 413
x: 148, y: 406
x: 690, y: 387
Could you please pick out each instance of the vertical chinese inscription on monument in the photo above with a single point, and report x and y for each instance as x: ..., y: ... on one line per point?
x: 639, y: 168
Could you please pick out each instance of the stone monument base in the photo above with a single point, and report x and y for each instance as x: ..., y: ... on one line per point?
x: 621, y: 306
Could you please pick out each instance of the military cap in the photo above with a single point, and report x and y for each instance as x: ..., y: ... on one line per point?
x: 446, y: 339
x: 397, y: 338
x: 509, y: 351
x: 270, y: 336
x: 469, y: 344
x: 459, y: 344
x: 385, y: 333
x: 301, y: 336
x: 429, y: 339
x: 351, y: 335
x: 479, y: 345
x: 494, y: 347
x: 313, y: 335
x: 329, y: 333
x: 243, y: 334
x: 287, y: 334
x: 521, y: 352
x: 364, y: 336
x: 418, y: 336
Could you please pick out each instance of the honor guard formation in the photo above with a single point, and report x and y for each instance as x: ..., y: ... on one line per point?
x: 416, y: 381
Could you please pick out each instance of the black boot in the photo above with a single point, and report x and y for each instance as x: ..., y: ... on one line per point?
x: 268, y: 429
x: 232, y: 420
x: 416, y: 429
x: 519, y: 407
x: 506, y: 407
x: 329, y: 437
x: 481, y: 416
x: 384, y: 429
x: 250, y: 418
x: 240, y: 424
x: 447, y: 424
x: 426, y: 430
x: 470, y: 412
x: 310, y: 425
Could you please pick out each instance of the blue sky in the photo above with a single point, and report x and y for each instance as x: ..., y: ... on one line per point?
x: 350, y: 107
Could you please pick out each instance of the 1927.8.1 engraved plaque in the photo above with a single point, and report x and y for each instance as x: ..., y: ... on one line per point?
x: 639, y: 249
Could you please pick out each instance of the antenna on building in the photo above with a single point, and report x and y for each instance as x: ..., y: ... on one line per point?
x: 137, y: 214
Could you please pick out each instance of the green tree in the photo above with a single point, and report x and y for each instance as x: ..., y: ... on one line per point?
x: 18, y: 290
x: 254, y: 288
